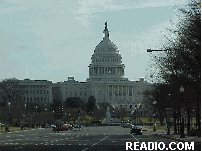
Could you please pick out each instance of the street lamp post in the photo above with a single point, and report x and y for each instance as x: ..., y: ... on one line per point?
x: 182, y: 114
x: 36, y: 117
x: 25, y: 117
x: 9, y: 123
x: 46, y: 117
x: 154, y: 103
x: 135, y: 116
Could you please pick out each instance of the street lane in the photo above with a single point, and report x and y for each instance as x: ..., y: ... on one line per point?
x: 89, y: 138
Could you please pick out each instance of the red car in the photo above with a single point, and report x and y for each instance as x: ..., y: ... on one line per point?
x: 61, y: 128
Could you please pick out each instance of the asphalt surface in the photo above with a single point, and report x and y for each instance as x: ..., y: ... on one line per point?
x: 105, y: 138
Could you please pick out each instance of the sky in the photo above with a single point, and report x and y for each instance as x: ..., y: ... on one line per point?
x: 55, y: 39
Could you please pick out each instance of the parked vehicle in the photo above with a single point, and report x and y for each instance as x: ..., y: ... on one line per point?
x: 70, y: 126
x: 47, y: 126
x: 52, y: 126
x: 76, y: 126
x: 136, y: 129
x: 61, y: 128
x: 126, y: 124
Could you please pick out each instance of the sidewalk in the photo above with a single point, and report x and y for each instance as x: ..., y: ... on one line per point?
x: 172, y: 136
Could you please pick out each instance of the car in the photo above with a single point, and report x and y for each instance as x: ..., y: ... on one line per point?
x: 76, y: 126
x: 52, y: 126
x: 126, y: 124
x: 61, y: 128
x: 136, y: 129
x: 70, y: 126
x: 47, y: 125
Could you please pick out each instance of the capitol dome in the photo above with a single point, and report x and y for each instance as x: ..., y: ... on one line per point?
x: 106, y: 45
x: 106, y: 62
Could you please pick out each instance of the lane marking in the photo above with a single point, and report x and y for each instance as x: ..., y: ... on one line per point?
x: 137, y: 140
x: 100, y: 140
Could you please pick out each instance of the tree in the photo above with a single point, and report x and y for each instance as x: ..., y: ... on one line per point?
x: 11, y: 90
x: 181, y: 64
x: 90, y: 104
x: 57, y: 99
x: 74, y: 102
x: 121, y: 112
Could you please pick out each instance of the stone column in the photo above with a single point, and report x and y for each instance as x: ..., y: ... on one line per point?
x: 116, y: 71
x: 118, y: 90
x: 122, y: 90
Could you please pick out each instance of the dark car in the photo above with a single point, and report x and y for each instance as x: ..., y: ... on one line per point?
x: 137, y: 130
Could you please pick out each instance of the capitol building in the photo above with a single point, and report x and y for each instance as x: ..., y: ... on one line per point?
x: 106, y: 82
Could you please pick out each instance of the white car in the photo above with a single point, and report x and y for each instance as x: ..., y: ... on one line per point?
x: 52, y: 126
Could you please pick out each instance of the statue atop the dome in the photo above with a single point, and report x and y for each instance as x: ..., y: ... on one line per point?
x: 106, y: 30
x: 106, y: 25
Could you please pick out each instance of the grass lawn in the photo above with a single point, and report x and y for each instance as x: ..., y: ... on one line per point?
x: 12, y: 129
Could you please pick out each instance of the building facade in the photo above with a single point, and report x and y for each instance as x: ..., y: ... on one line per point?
x: 39, y: 91
x: 106, y: 82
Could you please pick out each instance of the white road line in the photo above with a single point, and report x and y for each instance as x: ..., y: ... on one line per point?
x: 84, y: 149
x: 100, y: 140
x: 137, y: 140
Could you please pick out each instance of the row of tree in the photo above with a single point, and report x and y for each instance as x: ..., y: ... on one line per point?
x: 15, y: 111
x: 180, y: 66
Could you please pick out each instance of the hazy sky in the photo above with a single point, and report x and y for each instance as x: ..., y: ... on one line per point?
x: 54, y: 39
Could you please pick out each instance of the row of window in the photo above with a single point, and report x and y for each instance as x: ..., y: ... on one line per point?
x: 118, y: 99
x: 37, y: 92
x: 76, y: 93
x: 105, y: 60
x: 124, y: 93
x: 130, y: 106
x: 76, y: 87
x: 35, y: 99
x: 126, y: 106
x: 107, y: 49
x: 33, y: 86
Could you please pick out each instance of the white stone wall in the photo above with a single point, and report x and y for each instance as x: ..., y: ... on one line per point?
x: 37, y: 91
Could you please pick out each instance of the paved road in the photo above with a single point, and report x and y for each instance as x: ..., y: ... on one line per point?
x: 106, y: 138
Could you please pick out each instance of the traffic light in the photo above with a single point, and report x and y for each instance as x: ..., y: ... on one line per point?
x: 79, y: 112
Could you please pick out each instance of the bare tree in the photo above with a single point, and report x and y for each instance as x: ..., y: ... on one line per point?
x: 11, y: 90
